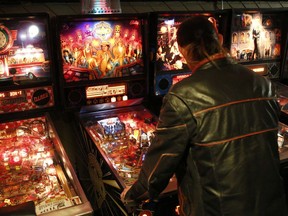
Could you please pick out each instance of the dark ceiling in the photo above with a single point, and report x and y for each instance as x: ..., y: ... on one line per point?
x: 61, y: 1
x: 13, y: 2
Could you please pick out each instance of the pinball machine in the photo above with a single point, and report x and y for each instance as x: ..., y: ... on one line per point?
x: 167, y: 66
x: 36, y: 175
x: 258, y: 41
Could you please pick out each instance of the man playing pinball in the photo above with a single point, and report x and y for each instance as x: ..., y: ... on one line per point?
x: 217, y: 132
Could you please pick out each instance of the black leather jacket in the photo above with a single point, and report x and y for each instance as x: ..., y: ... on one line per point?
x: 217, y: 132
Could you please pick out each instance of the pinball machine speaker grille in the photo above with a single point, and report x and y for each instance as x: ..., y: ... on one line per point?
x: 274, y: 70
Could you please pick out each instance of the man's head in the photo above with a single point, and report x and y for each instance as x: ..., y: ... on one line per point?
x: 197, y: 39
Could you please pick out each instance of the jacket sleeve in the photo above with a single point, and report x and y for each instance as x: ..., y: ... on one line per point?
x: 166, y: 150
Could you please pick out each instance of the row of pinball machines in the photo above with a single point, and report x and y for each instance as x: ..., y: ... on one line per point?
x: 119, y: 100
x: 111, y: 74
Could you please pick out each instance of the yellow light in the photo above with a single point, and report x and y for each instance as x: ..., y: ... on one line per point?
x: 258, y: 70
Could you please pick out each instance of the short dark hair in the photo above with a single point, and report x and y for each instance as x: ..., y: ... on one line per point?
x: 201, y: 35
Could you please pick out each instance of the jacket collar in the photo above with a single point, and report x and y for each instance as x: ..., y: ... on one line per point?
x: 205, y: 61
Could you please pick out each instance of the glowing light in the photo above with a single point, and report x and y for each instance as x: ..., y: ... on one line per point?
x: 48, y: 161
x: 163, y: 29
x: 258, y: 70
x: 113, y: 99
x: 23, y: 36
x: 145, y: 213
x: 20, y: 132
x: 177, y: 210
x: 33, y: 31
x: 125, y: 97
x: 51, y: 171
x: 16, y: 159
x: 23, y: 153
x: 170, y: 22
x: 5, y: 156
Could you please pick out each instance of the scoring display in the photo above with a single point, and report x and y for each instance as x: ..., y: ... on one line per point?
x: 9, y: 94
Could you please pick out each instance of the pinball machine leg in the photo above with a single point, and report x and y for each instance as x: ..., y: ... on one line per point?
x: 96, y: 179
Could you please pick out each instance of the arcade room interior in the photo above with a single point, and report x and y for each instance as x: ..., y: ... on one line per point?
x: 81, y: 88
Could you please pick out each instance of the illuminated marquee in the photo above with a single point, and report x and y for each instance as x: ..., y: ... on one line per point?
x: 105, y: 90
